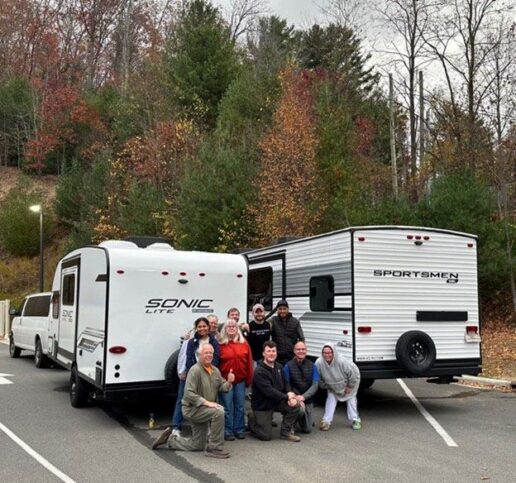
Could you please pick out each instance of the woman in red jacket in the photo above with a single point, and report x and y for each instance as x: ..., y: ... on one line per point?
x: 236, y: 357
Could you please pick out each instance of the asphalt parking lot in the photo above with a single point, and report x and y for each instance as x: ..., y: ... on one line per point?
x: 398, y: 440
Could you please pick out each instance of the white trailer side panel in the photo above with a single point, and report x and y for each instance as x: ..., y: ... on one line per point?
x: 394, y: 278
x: 92, y: 313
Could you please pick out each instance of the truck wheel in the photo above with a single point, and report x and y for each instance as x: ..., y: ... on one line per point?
x: 415, y: 352
x: 40, y: 360
x: 14, y: 351
x: 171, y: 377
x: 79, y: 390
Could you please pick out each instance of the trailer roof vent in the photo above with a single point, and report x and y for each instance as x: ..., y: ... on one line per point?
x: 117, y: 244
x: 159, y: 246
x: 145, y: 241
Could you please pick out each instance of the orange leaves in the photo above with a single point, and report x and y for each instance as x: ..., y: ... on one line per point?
x: 289, y: 201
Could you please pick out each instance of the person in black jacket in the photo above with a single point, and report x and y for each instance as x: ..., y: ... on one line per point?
x: 271, y: 392
x: 286, y: 331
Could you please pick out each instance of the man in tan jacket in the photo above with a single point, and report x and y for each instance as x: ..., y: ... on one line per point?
x: 203, y: 384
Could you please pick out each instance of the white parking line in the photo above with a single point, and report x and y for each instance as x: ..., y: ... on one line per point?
x: 42, y: 461
x: 440, y: 430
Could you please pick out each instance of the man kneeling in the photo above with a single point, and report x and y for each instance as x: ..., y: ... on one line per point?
x: 271, y: 392
x: 203, y: 384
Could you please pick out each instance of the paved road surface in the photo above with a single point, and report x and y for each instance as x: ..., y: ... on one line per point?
x: 396, y: 444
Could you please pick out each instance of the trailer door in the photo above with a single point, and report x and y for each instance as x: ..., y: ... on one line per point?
x: 68, y: 313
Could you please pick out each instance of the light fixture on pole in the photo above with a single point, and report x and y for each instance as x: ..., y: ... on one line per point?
x: 39, y: 209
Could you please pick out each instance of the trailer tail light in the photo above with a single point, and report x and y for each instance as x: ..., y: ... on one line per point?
x: 202, y: 274
x: 120, y: 272
x: 418, y: 237
x: 471, y: 329
x: 117, y: 349
x: 239, y: 275
x: 164, y: 272
x: 426, y: 238
x: 182, y: 274
x: 345, y: 332
x: 410, y: 237
x: 364, y: 329
x: 470, y: 245
x: 361, y: 238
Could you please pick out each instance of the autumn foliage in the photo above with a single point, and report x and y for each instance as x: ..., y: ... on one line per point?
x: 290, y: 200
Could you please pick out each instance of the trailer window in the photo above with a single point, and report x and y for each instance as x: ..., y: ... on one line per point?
x: 260, y: 287
x: 69, y: 289
x: 322, y: 294
x: 37, y: 306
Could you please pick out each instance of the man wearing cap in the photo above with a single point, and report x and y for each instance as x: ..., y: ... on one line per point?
x: 285, y: 331
x: 259, y: 332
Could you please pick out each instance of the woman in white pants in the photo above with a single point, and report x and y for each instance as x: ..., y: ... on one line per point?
x: 341, y: 378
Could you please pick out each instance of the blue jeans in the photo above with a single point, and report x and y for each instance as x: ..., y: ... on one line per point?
x: 233, y: 402
x: 177, y: 419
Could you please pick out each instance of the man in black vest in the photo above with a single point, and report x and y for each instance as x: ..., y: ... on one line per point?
x: 303, y: 377
x: 285, y: 331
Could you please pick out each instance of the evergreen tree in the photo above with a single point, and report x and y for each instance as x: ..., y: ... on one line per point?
x: 201, y: 60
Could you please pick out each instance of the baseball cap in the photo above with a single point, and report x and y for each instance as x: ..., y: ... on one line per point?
x: 258, y: 307
x: 282, y: 303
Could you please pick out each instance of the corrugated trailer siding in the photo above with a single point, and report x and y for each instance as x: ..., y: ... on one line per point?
x: 389, y: 304
x: 329, y: 255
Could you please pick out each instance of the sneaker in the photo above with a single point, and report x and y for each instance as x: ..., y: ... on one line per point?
x: 356, y: 425
x: 217, y: 453
x: 324, y: 426
x: 290, y: 437
x: 176, y: 432
x: 162, y: 438
x: 229, y: 437
x: 240, y: 436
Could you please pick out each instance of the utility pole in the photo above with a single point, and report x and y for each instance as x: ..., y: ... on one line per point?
x: 393, y: 137
x: 421, y: 119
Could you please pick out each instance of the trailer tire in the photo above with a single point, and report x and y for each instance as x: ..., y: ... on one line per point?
x: 415, y: 352
x: 14, y: 351
x: 79, y: 390
x: 171, y: 376
x: 40, y: 359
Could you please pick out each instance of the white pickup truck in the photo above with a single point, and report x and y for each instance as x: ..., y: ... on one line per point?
x: 29, y: 328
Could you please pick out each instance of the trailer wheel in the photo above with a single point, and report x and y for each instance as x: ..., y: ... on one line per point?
x: 79, y: 390
x: 14, y: 351
x: 40, y: 360
x: 415, y: 352
x: 171, y: 377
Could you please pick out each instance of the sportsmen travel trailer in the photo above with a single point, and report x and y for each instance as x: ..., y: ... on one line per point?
x: 399, y: 301
x: 118, y: 312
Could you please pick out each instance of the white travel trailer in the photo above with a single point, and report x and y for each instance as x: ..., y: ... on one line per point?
x: 399, y: 301
x: 118, y: 312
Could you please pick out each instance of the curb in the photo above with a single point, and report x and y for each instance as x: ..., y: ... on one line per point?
x: 487, y: 381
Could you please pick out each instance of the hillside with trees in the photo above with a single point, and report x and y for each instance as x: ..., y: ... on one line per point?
x: 221, y: 131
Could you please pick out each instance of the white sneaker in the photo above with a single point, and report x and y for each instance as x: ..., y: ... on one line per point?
x: 176, y: 432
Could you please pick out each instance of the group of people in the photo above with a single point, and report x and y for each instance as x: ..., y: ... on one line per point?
x: 216, y: 364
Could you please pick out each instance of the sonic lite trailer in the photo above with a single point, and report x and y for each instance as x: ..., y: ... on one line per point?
x: 398, y: 301
x: 118, y: 312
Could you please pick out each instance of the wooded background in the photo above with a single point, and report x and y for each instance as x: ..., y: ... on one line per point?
x: 222, y: 130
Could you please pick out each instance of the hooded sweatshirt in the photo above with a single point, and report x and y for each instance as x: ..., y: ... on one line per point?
x: 338, y: 375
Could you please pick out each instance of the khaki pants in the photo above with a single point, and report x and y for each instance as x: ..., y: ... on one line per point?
x: 260, y: 422
x: 201, y: 419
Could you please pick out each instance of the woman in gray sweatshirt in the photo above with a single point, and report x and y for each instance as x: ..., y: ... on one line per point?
x: 341, y: 377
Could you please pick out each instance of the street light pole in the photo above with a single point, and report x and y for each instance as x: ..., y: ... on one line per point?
x: 39, y: 209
